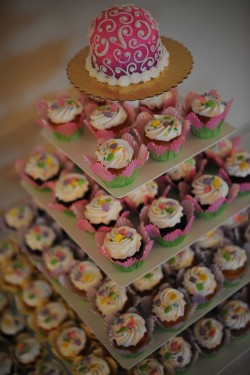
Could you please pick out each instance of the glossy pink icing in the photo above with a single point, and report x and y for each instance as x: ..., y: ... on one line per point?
x: 125, y: 40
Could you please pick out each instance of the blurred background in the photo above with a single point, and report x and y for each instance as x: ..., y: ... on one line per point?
x: 38, y: 38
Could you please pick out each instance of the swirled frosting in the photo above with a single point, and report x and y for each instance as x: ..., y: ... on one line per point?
x: 149, y: 366
x: 27, y: 350
x: 8, y: 248
x: 207, y: 189
x: 128, y: 329
x: 165, y: 212
x: 235, y: 314
x: 3, y: 301
x: 208, y: 333
x: 19, y: 216
x: 71, y: 341
x: 163, y: 128
x: 125, y: 46
x: 139, y: 195
x: 122, y: 242
x: 17, y: 272
x: 46, y: 367
x: 150, y: 280
x: 208, y: 105
x: 169, y: 305
x: 182, y: 170
x: 42, y: 166
x: 35, y: 292
x: 177, y: 352
x: 71, y: 186
x: 85, y: 275
x: 92, y: 365
x: 183, y: 259
x: 64, y: 111
x: 237, y: 220
x: 115, y: 153
x: 110, y: 298
x: 108, y: 116
x: 221, y: 149
x: 58, y: 258
x: 210, y: 240
x: 230, y: 257
x: 11, y: 323
x: 199, y: 281
x: 51, y: 315
x: 103, y: 209
x: 40, y: 237
x: 238, y: 164
x: 6, y: 363
x: 157, y: 101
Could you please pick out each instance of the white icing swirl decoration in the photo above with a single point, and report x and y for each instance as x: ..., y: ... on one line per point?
x: 40, y: 237
x: 208, y: 105
x: 128, y: 329
x: 237, y: 220
x: 139, y: 195
x: 165, y: 212
x: 71, y: 341
x: 149, y: 366
x: 36, y: 292
x: 221, y: 149
x: 19, y: 216
x: 163, y: 128
x: 230, y: 257
x: 208, y: 333
x: 183, y: 259
x: 64, y: 111
x: 59, y: 257
x: 156, y: 101
x: 207, y: 189
x: 27, y: 350
x: 85, y: 275
x: 42, y: 166
x: 103, y: 209
x: 238, y: 164
x: 122, y: 242
x: 177, y: 352
x: 11, y: 323
x: 235, y: 314
x: 17, y: 272
x: 71, y: 186
x: 199, y: 281
x: 169, y: 305
x: 182, y: 170
x: 92, y: 365
x: 108, y: 116
x: 111, y: 298
x: 114, y: 153
x: 51, y: 315
x: 148, y: 281
x: 212, y: 239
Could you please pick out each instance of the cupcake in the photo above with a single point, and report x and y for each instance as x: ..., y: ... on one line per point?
x: 19, y: 216
x: 58, y: 259
x: 149, y: 283
x: 64, y: 117
x: 128, y: 332
x: 17, y: 272
x: 206, y: 113
x: 111, y: 298
x: 11, y: 323
x: 36, y: 292
x: 158, y: 103
x: 209, y: 334
x: 183, y: 259
x: 237, y: 220
x: 7, y: 365
x: 71, y: 342
x: 211, y: 241
x: 39, y: 238
x: 27, y: 350
x: 51, y: 316
x: 200, y: 283
x: 232, y: 261
x: 238, y: 168
x: 177, y: 352
x: 8, y: 249
x: 169, y: 307
x: 221, y: 149
x: 149, y: 366
x: 85, y: 365
x: 235, y: 314
x: 48, y: 367
x: 141, y: 196
x: 3, y: 301
x: 85, y: 275
x: 183, y: 172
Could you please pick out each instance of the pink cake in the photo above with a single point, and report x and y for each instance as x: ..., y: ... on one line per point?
x: 125, y: 46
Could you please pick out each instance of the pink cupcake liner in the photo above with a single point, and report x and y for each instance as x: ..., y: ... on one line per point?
x: 242, y: 187
x: 171, y: 102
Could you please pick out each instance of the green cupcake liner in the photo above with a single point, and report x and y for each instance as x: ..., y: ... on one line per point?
x: 203, y: 305
x: 167, y: 156
x: 204, y: 132
x: 133, y: 267
x: 243, y: 193
x: 120, y: 181
x: 209, y: 215
x: 69, y: 213
x: 230, y: 283
x: 43, y: 190
x: 165, y: 243
x: 65, y: 138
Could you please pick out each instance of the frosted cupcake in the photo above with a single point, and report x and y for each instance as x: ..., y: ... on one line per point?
x: 141, y: 196
x: 86, y: 365
x: 27, y: 350
x: 11, y: 323
x: 148, y: 366
x: 64, y: 117
x: 182, y: 260
x: 238, y: 168
x: 71, y: 342
x: 111, y: 298
x: 200, y: 283
x: 8, y: 249
x: 232, y: 261
x: 42, y: 167
x: 183, y: 172
x: 209, y: 334
x: 237, y: 220
x: 235, y: 314
x: 7, y: 365
x: 84, y: 276
x: 169, y: 307
x: 51, y: 316
x: 158, y: 103
x: 177, y: 352
x: 36, y: 292
x: 149, y: 283
x: 221, y: 149
x: 211, y: 241
x: 58, y: 259
x: 39, y: 238
x: 19, y: 216
x: 17, y: 272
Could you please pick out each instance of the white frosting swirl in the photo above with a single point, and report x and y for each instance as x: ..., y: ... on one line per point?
x: 150, y: 280
x: 221, y: 149
x: 230, y: 258
x: 212, y: 239
x: 40, y: 237
x: 177, y: 352
x: 103, y: 209
x: 71, y: 186
x: 8, y: 248
x: 237, y: 220
x: 149, y: 366
x: 65, y: 111
x: 207, y: 189
x: 35, y: 292
x: 199, y: 281
x: 169, y: 305
x: 128, y: 329
x: 51, y: 315
x: 182, y: 170
x: 163, y: 128
x: 183, y: 259
x: 92, y: 365
x: 208, y: 105
x: 42, y: 166
x: 165, y: 212
x: 59, y: 257
x: 111, y: 298
x: 139, y: 195
x: 122, y: 242
x: 85, y: 275
x: 71, y: 341
x: 108, y: 116
x: 114, y: 153
x: 27, y: 350
x: 235, y: 314
x: 11, y: 323
x: 208, y: 333
x: 238, y: 164
x: 17, y: 272
x: 156, y: 101
x: 19, y: 216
